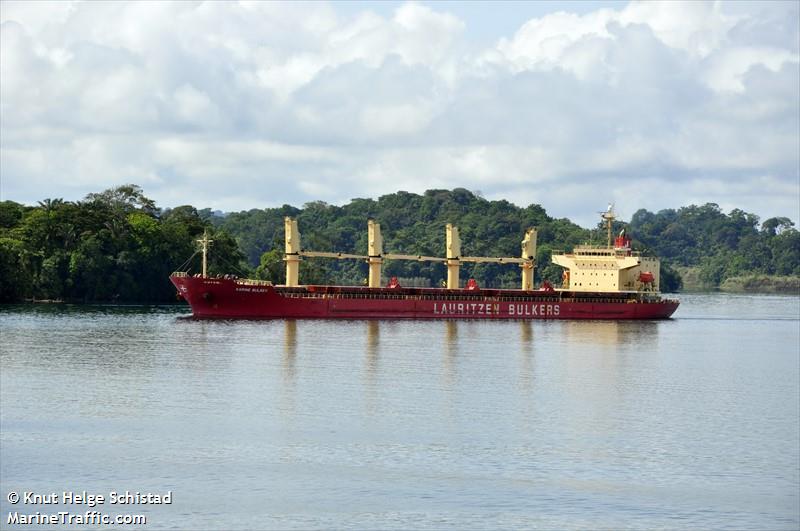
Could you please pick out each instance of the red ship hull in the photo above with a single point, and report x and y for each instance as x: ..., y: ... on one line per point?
x: 237, y: 299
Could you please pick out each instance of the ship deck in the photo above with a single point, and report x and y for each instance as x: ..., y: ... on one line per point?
x: 443, y: 294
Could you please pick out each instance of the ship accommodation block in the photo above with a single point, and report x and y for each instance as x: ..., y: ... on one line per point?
x: 607, y: 270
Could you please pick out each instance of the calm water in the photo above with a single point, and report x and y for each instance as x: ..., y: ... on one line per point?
x: 687, y: 423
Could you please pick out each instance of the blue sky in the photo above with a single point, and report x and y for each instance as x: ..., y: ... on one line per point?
x: 247, y: 105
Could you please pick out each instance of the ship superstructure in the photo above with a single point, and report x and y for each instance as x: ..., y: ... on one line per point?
x: 613, y: 268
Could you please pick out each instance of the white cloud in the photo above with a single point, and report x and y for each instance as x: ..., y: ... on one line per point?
x: 194, y: 106
x: 404, y: 119
x: 729, y: 66
x: 548, y: 43
x: 252, y: 104
x: 698, y: 28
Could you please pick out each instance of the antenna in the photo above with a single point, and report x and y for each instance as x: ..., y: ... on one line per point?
x: 609, y: 216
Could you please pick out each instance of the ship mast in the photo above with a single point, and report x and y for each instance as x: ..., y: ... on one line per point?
x: 205, y: 242
x: 609, y: 216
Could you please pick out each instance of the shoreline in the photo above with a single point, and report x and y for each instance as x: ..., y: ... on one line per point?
x: 751, y: 284
x: 765, y: 284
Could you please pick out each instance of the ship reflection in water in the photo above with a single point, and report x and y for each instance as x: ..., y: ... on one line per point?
x: 290, y: 347
x: 373, y: 344
x: 591, y: 358
x: 609, y: 333
x: 526, y: 375
x: 455, y: 334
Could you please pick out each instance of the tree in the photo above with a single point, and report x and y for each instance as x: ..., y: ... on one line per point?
x: 775, y: 226
x: 15, y: 277
x: 10, y: 214
x: 671, y: 281
x: 271, y: 267
x: 124, y: 198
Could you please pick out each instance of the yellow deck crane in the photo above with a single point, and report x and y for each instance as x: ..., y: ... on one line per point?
x: 375, y: 255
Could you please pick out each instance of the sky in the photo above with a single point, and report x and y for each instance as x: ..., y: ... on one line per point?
x: 241, y: 105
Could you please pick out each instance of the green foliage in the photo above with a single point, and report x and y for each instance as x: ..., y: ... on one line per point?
x: 15, y: 276
x: 10, y: 214
x: 411, y: 224
x: 671, y: 280
x: 722, y: 245
x: 125, y: 198
x: 271, y: 267
x: 116, y: 246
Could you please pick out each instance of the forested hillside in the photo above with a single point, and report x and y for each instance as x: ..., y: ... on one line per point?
x: 114, y: 246
x: 411, y: 224
x: 117, y: 246
x: 720, y: 245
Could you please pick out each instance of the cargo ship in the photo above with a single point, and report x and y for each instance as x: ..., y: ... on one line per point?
x: 599, y: 282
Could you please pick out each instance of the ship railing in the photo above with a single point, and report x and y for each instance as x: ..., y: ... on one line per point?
x: 583, y: 250
x: 426, y: 297
x: 252, y: 282
x: 180, y: 274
